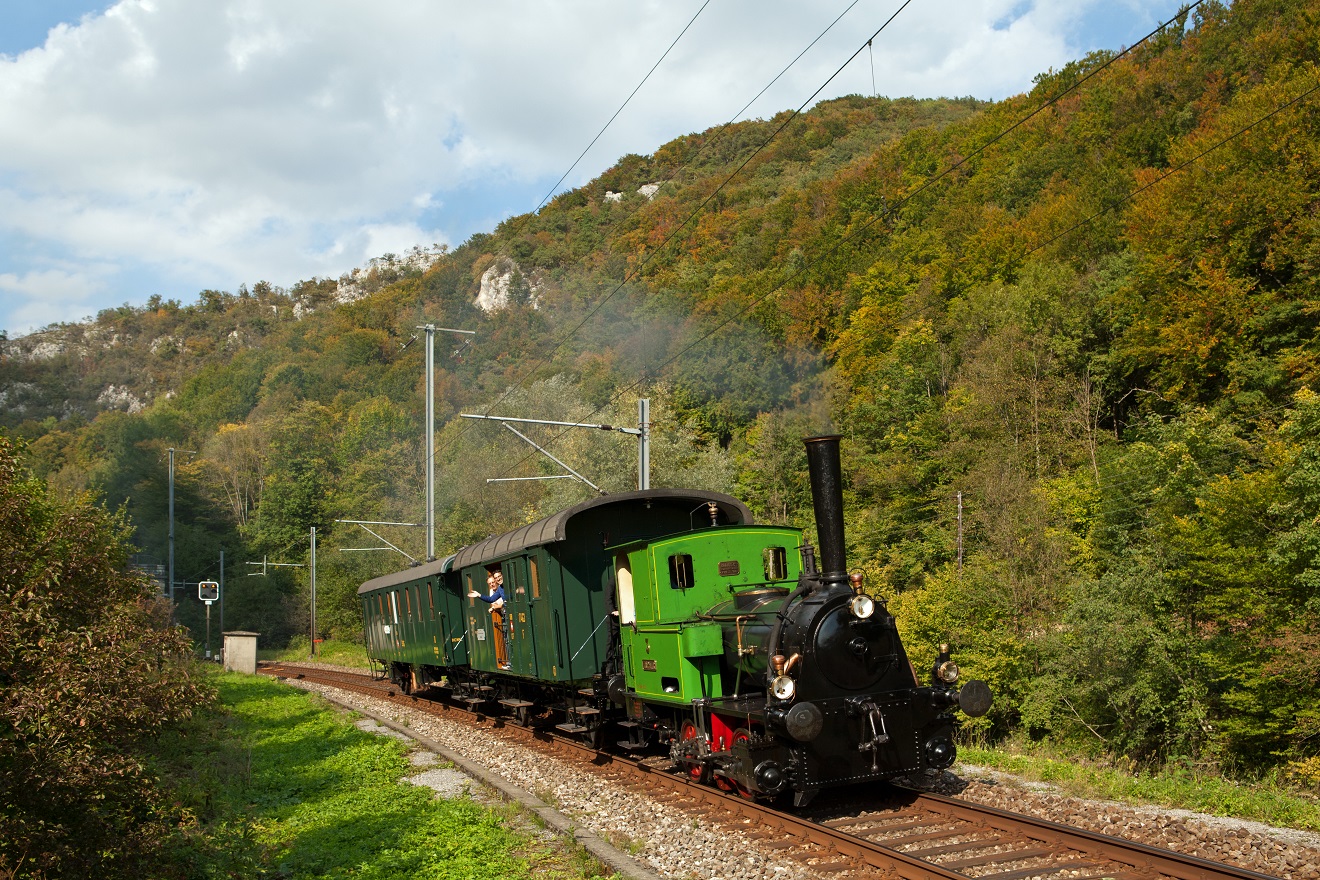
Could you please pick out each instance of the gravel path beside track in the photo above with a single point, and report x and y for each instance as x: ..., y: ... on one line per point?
x: 683, y: 846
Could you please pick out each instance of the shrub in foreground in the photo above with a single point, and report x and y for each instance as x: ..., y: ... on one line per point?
x: 90, y: 667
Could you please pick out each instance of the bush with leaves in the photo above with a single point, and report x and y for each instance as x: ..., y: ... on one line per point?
x: 90, y: 668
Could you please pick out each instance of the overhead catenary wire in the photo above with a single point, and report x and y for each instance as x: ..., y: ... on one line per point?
x: 889, y: 210
x: 563, y: 341
x: 1172, y: 171
x: 637, y: 270
x: 626, y: 100
x: 1109, y: 505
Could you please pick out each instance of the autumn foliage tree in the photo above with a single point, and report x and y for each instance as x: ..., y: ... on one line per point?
x: 90, y: 667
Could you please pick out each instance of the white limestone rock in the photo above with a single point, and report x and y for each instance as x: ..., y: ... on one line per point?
x: 504, y: 283
x: 44, y: 351
x: 114, y: 397
x: 11, y: 398
x: 358, y: 283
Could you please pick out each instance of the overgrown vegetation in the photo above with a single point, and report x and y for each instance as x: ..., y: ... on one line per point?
x: 1076, y: 377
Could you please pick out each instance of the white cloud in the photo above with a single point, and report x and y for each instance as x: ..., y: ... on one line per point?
x: 238, y: 139
x: 51, y: 295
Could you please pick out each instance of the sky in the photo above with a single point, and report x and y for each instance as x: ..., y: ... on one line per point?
x: 164, y: 147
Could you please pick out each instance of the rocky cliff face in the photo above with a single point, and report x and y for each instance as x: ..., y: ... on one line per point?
x: 504, y: 284
x: 358, y: 283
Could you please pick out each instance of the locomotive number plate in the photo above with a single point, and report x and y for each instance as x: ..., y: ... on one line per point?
x: 730, y: 568
x: 648, y: 666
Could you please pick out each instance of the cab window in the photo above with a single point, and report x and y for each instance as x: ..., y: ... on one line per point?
x: 776, y: 563
x: 680, y: 571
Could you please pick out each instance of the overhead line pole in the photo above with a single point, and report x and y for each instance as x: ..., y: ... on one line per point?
x: 430, y: 441
x: 171, y: 551
x: 430, y: 432
x: 222, y: 608
x: 644, y: 443
x: 313, y: 581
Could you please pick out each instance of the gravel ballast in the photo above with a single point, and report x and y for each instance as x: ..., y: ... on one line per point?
x: 679, y: 845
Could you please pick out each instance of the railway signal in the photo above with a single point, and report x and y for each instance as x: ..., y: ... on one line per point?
x: 208, y: 592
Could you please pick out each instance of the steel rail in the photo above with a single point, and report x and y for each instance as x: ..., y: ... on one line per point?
x: 838, y: 849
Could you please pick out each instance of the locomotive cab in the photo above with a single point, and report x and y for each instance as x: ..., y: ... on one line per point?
x: 674, y: 648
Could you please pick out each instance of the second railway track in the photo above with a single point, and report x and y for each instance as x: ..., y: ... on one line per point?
x: 895, y: 833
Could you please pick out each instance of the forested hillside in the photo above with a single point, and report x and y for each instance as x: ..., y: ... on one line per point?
x: 1070, y: 339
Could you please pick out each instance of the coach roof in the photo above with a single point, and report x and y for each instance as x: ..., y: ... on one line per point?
x: 555, y: 528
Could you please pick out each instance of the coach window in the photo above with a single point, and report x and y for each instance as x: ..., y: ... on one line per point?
x: 472, y: 603
x: 394, y: 604
x: 776, y: 563
x: 680, y: 571
x: 536, y: 578
x: 407, y: 602
x: 430, y: 598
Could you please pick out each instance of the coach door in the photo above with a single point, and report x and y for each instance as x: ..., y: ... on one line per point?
x: 545, y: 620
x: 518, y: 614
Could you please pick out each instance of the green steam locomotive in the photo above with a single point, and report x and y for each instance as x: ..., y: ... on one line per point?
x: 666, y: 619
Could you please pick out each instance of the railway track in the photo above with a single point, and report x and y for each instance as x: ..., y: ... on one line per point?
x: 895, y: 834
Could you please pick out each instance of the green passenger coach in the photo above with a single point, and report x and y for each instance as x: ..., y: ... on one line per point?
x: 556, y: 625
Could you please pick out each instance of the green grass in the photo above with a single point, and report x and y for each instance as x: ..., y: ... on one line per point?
x: 330, y: 651
x: 1174, y: 786
x: 281, y: 785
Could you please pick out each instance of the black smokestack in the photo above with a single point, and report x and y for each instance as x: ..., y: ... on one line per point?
x: 827, y: 497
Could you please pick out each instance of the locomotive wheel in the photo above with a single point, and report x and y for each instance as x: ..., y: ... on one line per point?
x: 697, y: 772
x: 742, y: 734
